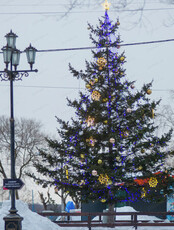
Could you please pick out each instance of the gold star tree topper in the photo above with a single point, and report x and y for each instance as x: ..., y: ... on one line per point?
x: 106, y: 5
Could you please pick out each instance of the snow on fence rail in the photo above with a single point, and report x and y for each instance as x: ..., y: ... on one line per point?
x: 132, y: 219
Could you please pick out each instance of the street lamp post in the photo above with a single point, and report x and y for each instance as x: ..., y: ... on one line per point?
x: 11, y: 57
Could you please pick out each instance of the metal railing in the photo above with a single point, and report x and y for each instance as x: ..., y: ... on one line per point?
x: 132, y: 220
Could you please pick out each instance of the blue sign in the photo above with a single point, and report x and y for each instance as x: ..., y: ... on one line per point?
x: 170, y: 206
x: 12, y: 184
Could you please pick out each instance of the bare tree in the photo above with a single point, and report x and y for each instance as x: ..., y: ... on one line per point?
x: 28, y: 137
x: 165, y: 121
x: 119, y: 6
x: 46, y: 200
x: 165, y: 116
x: 63, y: 196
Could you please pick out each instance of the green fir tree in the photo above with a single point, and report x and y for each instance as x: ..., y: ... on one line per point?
x: 110, y: 148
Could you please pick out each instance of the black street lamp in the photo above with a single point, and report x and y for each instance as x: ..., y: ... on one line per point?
x: 11, y: 57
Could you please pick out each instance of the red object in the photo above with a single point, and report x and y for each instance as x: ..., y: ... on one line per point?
x: 142, y: 181
x: 146, y: 180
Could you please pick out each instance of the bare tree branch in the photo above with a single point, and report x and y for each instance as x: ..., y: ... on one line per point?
x: 28, y: 138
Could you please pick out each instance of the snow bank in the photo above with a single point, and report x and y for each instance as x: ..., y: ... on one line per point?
x: 130, y: 209
x: 36, y: 222
x: 31, y: 219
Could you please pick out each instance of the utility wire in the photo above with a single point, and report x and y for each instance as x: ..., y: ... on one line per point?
x: 88, y: 48
x: 126, y: 44
x: 66, y: 87
x: 67, y: 4
x: 82, y: 12
x: 82, y: 48
x: 43, y: 87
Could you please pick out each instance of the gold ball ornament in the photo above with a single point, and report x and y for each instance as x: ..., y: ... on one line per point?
x: 88, y: 86
x: 100, y: 161
x: 112, y: 140
x: 142, y: 150
x: 118, y: 23
x: 105, y: 122
x: 118, y: 158
x: 103, y: 200
x: 122, y: 58
x: 140, y: 167
x: 105, y: 99
x: 82, y: 156
x: 96, y: 80
x: 149, y: 91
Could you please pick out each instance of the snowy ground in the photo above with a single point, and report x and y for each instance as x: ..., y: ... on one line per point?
x: 36, y: 222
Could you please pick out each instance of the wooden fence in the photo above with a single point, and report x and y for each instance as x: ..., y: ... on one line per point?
x: 132, y: 219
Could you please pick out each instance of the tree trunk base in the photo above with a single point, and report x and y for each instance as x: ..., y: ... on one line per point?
x: 111, y: 219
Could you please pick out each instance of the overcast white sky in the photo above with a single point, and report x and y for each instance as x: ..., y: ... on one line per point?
x: 42, y: 95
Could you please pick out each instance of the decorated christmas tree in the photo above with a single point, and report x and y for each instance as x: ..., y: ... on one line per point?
x: 110, y: 147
